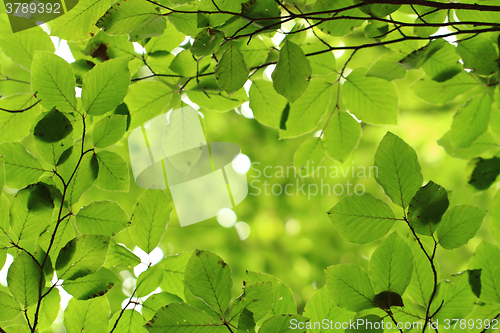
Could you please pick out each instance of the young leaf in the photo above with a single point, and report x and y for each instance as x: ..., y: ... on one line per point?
x: 173, y: 274
x: 22, y: 122
x: 486, y: 258
x: 371, y: 99
x: 266, y: 104
x: 484, y: 173
x: 23, y: 279
x: 89, y: 316
x: 217, y: 100
x: 283, y: 323
x: 459, y: 224
x: 102, y: 218
x: 78, y: 24
x: 398, y: 169
x: 53, y: 81
x: 125, y: 16
x: 321, y: 307
x: 231, y: 71
x: 9, y: 308
x: 83, y: 255
x: 391, y: 265
x: 146, y: 100
x: 109, y: 130
x: 105, y: 86
x: 308, y: 156
x: 119, y: 255
x: 459, y: 300
x: 341, y: 136
x: 470, y: 121
x: 182, y: 317
x: 113, y: 172
x: 150, y: 216
x: 209, y: 278
x: 292, y: 72
x: 349, y: 287
x: 149, y: 280
x: 92, y: 285
x: 21, y: 168
x: 31, y: 211
x: 283, y: 296
x: 427, y: 207
x: 129, y: 321
x: 258, y: 298
x: 157, y: 301
x: 306, y: 112
x: 478, y: 54
x: 362, y: 219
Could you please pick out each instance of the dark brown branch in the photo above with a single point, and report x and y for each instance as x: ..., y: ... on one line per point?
x: 22, y: 110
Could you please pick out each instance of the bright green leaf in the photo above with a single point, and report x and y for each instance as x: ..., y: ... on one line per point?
x: 267, y: 105
x: 308, y: 156
x: 341, y: 136
x: 157, y: 301
x: 231, y: 71
x: 109, y: 130
x: 23, y: 279
x: 92, y: 285
x: 89, y: 316
x: 9, y: 308
x: 470, y: 121
x: 459, y: 225
x: 486, y: 258
x: 21, y: 168
x: 119, y: 255
x: 113, y: 172
x: 173, y: 274
x: 102, y: 218
x: 149, y: 280
x: 478, y: 54
x: 283, y: 323
x: 442, y: 92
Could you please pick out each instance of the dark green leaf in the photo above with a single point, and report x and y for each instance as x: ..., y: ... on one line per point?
x: 427, y: 207
x: 485, y: 172
x: 231, y: 71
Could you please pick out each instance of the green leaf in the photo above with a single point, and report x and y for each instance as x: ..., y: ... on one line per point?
x: 267, y: 105
x: 391, y: 265
x: 370, y: 99
x: 484, y: 173
x: 132, y: 17
x: 258, y: 298
x: 486, y: 258
x: 246, y: 323
x: 494, y: 217
x: 459, y: 300
x: 308, y: 156
x: 387, y: 68
x: 321, y: 307
x: 349, y: 287
x: 283, y: 296
x: 119, y: 255
x: 206, y: 42
x: 283, y: 323
x: 84, y: 177
x: 323, y: 63
x: 109, y: 130
x: 78, y: 24
x: 369, y: 321
x: 182, y: 317
x: 173, y: 274
x: 102, y: 218
x: 89, y: 316
x: 22, y: 122
x: 339, y: 27
x: 422, y: 281
x: 398, y: 170
x: 52, y: 136
x: 306, y: 112
x: 255, y: 52
x: 4, y: 214
x: 185, y: 22
x: 131, y: 321
x: 427, y: 207
x: 105, y: 86
x: 429, y: 16
x: 443, y: 64
x: 53, y: 81
x: 21, y: 46
x: 231, y: 71
x: 442, y: 92
x: 21, y: 168
x: 381, y: 10
x: 217, y: 100
x: 49, y: 310
x: 482, y: 144
x: 23, y: 279
x: 292, y: 72
x: 341, y: 136
x: 459, y: 224
x: 470, y: 121
x: 146, y: 100
x: 65, y: 233
x: 150, y: 216
x: 213, y: 20
x: 149, y: 280
x: 9, y: 308
x: 31, y: 211
x: 113, y: 172
x: 208, y: 277
x: 92, y: 285
x: 83, y: 255
x: 478, y: 54
x: 362, y: 219
x: 157, y: 301
x: 261, y: 9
